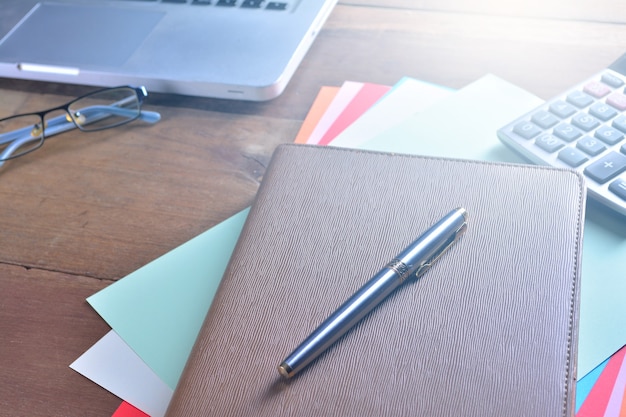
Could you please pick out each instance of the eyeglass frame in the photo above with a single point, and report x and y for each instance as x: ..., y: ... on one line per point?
x: 140, y: 92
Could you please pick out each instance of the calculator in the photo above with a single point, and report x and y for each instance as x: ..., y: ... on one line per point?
x: 583, y: 129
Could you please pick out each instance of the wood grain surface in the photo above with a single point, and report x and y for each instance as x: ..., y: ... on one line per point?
x: 89, y: 208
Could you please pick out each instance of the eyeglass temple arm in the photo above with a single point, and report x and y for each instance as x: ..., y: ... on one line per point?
x: 149, y: 116
x: 60, y: 124
x: 95, y: 113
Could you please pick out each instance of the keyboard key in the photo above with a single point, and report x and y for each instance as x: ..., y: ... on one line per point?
x: 618, y: 187
x: 251, y: 4
x: 544, y: 119
x: 612, y: 80
x: 526, y: 130
x: 602, y: 111
x: 276, y: 5
x: 620, y: 123
x: 596, y: 89
x: 608, y: 135
x: 549, y: 143
x: 579, y: 99
x: 201, y: 2
x: 617, y: 100
x: 590, y: 146
x: 226, y: 3
x: 562, y: 109
x: 607, y: 167
x: 585, y: 122
x: 567, y: 132
x: 572, y: 156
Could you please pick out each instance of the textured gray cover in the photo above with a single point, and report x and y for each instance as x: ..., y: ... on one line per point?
x: 490, y: 330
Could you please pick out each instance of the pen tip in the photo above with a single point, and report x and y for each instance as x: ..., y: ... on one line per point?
x: 285, y: 370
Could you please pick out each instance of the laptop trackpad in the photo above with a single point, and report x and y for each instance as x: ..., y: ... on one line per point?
x: 78, y: 35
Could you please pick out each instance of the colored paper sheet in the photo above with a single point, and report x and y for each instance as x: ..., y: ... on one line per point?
x: 319, y: 106
x: 602, y: 306
x: 158, y: 309
x: 596, y: 403
x: 622, y: 412
x: 344, y: 96
x: 113, y: 365
x: 585, y: 384
x: 363, y: 100
x: 613, y: 408
x: 464, y: 126
x: 127, y: 410
x: 408, y: 96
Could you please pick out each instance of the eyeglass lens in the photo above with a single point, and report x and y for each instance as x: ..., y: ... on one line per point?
x: 19, y: 135
x: 105, y: 109
x: 100, y: 110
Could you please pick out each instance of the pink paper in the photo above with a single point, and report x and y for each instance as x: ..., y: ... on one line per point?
x: 616, y: 402
x: 127, y: 410
x: 596, y: 403
x: 346, y: 93
x: 363, y: 100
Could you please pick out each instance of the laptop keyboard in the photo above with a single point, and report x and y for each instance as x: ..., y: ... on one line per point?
x: 242, y: 4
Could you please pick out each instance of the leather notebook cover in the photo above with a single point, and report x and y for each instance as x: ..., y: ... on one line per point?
x: 489, y: 330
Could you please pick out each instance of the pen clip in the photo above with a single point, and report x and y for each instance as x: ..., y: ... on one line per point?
x: 429, y: 262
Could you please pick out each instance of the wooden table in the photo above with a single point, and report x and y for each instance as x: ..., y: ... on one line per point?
x: 88, y: 209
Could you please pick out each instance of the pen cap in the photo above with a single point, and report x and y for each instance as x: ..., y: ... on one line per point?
x: 426, y: 249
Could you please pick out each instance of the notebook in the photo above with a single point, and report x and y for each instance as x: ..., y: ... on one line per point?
x: 237, y: 49
x: 489, y: 330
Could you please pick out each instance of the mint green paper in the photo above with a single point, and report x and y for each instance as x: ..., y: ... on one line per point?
x: 464, y: 126
x: 158, y: 309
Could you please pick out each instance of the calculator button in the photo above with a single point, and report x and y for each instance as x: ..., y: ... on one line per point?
x: 549, y: 143
x: 585, y: 122
x: 607, y: 167
x: 620, y: 123
x: 544, y: 119
x: 618, y: 187
x: 608, y: 135
x: 612, y: 80
x: 526, y: 130
x: 562, y: 109
x: 572, y: 156
x: 596, y: 89
x: 579, y: 99
x: 602, y: 111
x: 567, y: 132
x: 617, y: 100
x: 590, y: 146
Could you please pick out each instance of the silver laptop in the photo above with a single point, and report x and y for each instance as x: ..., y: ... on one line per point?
x: 236, y: 49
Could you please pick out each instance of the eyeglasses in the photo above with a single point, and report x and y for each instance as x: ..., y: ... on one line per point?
x: 102, y: 109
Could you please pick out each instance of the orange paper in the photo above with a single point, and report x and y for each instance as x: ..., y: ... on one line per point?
x: 320, y: 104
x: 347, y: 92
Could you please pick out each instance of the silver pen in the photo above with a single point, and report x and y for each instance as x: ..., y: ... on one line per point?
x: 416, y: 259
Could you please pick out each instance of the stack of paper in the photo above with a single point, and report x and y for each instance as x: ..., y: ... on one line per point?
x: 156, y: 312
